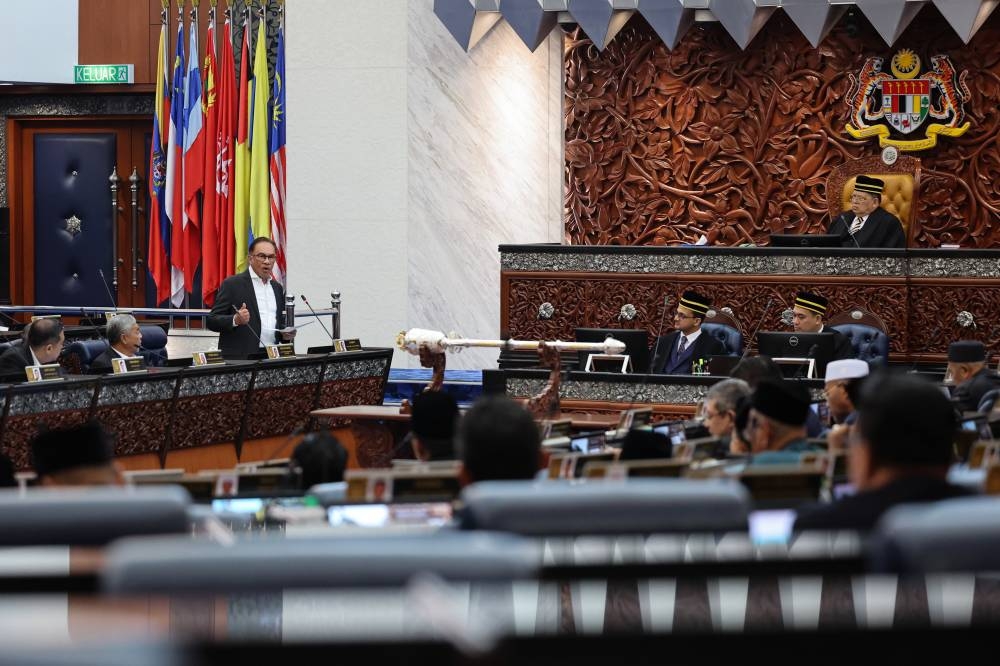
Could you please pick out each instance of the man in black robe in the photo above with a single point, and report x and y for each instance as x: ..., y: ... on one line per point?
x: 867, y: 224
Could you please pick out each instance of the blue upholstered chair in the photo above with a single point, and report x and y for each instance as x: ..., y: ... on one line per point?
x: 726, y: 329
x: 866, y: 331
x: 154, y: 348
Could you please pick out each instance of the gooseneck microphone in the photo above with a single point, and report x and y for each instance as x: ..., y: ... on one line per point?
x: 649, y: 371
x: 843, y: 219
x: 756, y: 329
x: 659, y: 332
x: 325, y: 329
x: 107, y: 290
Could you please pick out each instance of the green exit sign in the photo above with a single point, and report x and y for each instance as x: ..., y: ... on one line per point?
x: 104, y: 74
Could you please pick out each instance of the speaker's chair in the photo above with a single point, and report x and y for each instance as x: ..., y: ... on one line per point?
x: 724, y: 328
x: 867, y: 332
x: 902, y: 186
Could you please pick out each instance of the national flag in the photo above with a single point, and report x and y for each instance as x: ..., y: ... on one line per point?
x: 175, y: 159
x: 241, y: 206
x: 278, y: 234
x: 159, y: 225
x: 260, y: 205
x: 194, y: 162
x: 210, y: 278
x: 225, y: 176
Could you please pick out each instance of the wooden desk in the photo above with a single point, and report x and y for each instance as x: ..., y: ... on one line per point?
x: 372, y: 434
x: 199, y: 417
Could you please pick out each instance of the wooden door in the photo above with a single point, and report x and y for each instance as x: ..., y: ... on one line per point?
x: 77, y: 238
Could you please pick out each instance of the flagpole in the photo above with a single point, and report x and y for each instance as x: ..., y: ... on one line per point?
x: 189, y: 288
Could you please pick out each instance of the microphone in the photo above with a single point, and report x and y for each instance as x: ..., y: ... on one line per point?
x: 760, y: 322
x: 843, y: 220
x: 659, y: 332
x: 325, y: 329
x: 107, y: 290
x: 649, y: 371
x: 97, y: 329
x: 237, y: 310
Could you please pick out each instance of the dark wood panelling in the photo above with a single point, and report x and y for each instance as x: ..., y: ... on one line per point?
x: 115, y: 31
x: 664, y: 146
x: 920, y: 313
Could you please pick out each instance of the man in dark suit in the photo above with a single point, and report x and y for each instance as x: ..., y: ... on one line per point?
x: 250, y: 307
x: 867, y: 224
x: 900, y: 452
x: 125, y: 337
x: 42, y: 346
x: 967, y: 368
x: 676, y: 352
x: 807, y: 317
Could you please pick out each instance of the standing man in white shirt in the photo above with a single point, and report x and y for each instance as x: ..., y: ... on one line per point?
x: 249, y: 307
x: 676, y: 352
x: 867, y: 224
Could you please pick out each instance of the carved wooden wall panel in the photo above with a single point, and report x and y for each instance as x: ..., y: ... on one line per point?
x: 933, y: 309
x: 664, y: 146
x: 596, y: 301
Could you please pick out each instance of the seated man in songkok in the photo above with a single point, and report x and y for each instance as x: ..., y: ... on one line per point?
x: 808, y: 312
x: 967, y: 369
x: 776, y: 429
x: 678, y: 351
x: 867, y: 224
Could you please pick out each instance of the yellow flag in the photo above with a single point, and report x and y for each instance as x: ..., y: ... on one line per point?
x: 260, y: 171
x: 241, y: 188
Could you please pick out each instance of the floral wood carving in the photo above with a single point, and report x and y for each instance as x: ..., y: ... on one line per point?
x: 664, y: 146
x: 594, y: 302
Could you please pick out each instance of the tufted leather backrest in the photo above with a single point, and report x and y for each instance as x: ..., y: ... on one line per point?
x: 867, y: 332
x: 730, y: 337
x: 897, y: 198
x: 902, y: 187
x: 869, y: 343
x: 723, y: 326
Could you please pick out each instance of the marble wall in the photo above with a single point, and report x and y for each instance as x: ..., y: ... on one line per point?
x: 410, y: 160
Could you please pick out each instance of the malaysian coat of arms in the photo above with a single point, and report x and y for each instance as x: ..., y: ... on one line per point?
x: 895, y: 106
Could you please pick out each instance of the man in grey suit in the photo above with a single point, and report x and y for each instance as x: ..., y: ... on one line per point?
x: 250, y: 307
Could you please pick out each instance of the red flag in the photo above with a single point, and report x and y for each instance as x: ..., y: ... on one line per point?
x: 225, y: 157
x: 210, y: 279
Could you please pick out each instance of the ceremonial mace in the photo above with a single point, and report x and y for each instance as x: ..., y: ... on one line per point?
x: 431, y: 347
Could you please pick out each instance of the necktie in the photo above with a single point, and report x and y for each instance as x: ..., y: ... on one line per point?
x: 684, y: 344
x: 856, y: 225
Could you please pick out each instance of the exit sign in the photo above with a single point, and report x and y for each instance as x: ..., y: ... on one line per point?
x: 104, y: 74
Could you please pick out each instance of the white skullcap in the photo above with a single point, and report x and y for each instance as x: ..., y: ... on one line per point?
x: 848, y: 368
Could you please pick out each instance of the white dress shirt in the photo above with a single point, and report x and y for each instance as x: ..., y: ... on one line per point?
x: 266, y: 306
x: 691, y: 337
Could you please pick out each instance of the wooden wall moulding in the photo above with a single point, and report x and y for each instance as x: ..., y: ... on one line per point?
x: 595, y: 301
x: 664, y: 146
